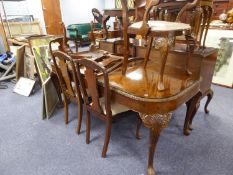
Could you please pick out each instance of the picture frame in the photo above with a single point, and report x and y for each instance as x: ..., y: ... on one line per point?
x: 24, y: 86
x: 40, y: 49
x: 223, y: 40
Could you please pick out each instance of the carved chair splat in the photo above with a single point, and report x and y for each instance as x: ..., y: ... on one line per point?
x: 207, y: 7
x: 62, y: 47
x: 69, y: 90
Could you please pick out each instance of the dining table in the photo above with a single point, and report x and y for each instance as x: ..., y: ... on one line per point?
x: 152, y: 87
x: 137, y: 90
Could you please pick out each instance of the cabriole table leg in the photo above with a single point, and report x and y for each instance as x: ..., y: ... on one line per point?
x: 163, y: 46
x: 155, y: 123
x: 209, y: 95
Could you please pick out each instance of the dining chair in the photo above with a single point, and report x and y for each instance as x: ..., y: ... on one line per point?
x: 192, y: 15
x: 67, y: 76
x: 100, y: 106
x: 58, y: 43
x: 98, y: 16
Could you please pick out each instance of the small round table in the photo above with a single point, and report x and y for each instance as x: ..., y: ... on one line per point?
x: 164, y: 33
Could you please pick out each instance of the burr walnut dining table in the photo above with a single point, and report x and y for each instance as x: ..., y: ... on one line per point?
x: 137, y: 90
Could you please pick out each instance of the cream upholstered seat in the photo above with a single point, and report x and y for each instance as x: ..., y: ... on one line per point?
x: 116, y: 108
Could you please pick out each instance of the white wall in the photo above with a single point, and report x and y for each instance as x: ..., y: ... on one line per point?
x: 109, y: 4
x: 79, y: 11
x: 35, y: 8
x: 16, y: 8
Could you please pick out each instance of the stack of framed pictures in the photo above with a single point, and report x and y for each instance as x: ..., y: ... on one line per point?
x: 41, y: 52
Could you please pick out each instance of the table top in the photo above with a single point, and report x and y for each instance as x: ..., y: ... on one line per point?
x: 141, y: 82
x: 139, y: 86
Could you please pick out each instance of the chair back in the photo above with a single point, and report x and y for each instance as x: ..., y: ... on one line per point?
x: 139, y: 6
x: 97, y: 15
x: 148, y: 6
x: 65, y: 39
x: 207, y: 7
x: 192, y: 14
x: 89, y: 84
x: 56, y: 42
x: 66, y: 72
x: 198, y: 15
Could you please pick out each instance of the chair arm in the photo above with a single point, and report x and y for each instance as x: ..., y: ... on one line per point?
x: 144, y: 30
x: 77, y: 35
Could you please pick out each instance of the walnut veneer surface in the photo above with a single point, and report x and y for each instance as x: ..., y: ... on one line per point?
x: 140, y: 85
x: 141, y: 82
